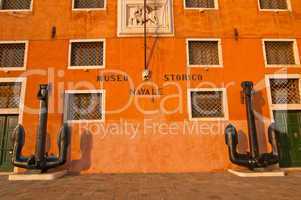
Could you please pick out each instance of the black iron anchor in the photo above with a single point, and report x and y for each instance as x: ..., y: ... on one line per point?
x: 40, y: 160
x: 252, y: 159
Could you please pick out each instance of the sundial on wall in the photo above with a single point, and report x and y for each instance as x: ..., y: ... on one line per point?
x: 159, y: 20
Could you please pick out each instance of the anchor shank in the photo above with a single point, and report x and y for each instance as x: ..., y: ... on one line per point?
x: 42, y: 129
x: 253, y: 142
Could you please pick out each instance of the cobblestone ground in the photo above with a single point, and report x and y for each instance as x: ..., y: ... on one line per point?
x: 213, y: 186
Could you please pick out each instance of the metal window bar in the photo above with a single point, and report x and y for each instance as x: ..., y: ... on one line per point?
x: 85, y: 106
x: 200, y: 3
x: 88, y: 3
x: 12, y: 55
x: 273, y: 4
x: 280, y: 52
x: 87, y: 54
x: 15, y: 4
x: 203, y: 53
x: 285, y: 91
x: 207, y: 104
x: 10, y: 95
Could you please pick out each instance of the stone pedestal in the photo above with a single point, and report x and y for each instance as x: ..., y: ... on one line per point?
x: 258, y: 173
x: 36, y: 176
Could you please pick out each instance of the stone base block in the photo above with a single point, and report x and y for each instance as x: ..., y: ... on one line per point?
x: 31, y: 176
x: 262, y: 173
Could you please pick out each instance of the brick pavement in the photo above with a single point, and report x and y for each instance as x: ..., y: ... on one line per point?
x: 212, y: 186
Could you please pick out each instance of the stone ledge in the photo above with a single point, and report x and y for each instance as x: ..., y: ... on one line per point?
x: 36, y: 177
x: 292, y: 169
x: 249, y: 173
x: 5, y: 173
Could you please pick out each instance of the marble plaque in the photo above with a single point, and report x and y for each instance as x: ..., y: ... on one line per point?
x: 159, y: 20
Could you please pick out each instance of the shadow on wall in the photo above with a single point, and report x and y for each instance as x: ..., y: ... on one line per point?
x: 48, y: 143
x: 262, y: 130
x: 84, y: 162
x: 243, y: 141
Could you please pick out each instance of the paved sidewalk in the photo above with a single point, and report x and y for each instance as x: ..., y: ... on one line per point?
x: 212, y: 186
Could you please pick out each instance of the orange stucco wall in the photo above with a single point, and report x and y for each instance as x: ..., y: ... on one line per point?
x: 148, y: 151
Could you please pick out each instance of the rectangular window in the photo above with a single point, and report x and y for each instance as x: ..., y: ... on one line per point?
x: 273, y: 4
x: 85, y: 105
x: 207, y: 104
x: 15, y: 4
x: 12, y: 55
x: 281, y: 52
x: 205, y: 53
x: 210, y: 4
x: 88, y: 4
x: 285, y: 91
x: 86, y: 54
x: 10, y: 94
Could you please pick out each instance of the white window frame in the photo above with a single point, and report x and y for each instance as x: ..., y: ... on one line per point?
x: 25, y: 56
x: 269, y: 95
x: 216, y: 6
x: 89, y: 9
x: 289, y: 7
x: 220, y: 52
x: 87, y: 67
x: 295, y: 49
x: 17, y: 111
x: 225, y: 104
x: 17, y: 10
x: 67, y: 92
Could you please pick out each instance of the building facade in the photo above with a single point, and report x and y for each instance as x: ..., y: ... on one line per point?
x: 92, y: 55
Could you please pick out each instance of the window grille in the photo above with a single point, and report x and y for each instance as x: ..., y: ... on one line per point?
x: 273, y: 4
x: 88, y: 3
x: 207, y: 104
x: 12, y: 55
x: 15, y: 4
x: 280, y: 52
x: 285, y: 91
x: 10, y: 95
x: 203, y: 53
x: 200, y: 3
x: 87, y: 54
x: 85, y: 106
